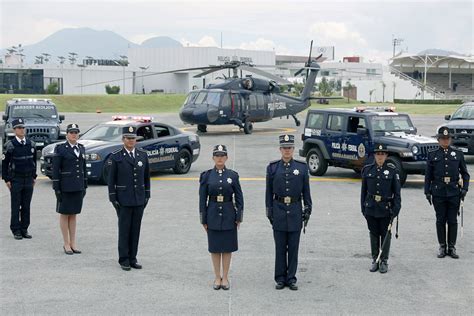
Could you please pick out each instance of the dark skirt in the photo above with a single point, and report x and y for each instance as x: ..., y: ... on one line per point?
x: 71, y: 203
x: 222, y: 241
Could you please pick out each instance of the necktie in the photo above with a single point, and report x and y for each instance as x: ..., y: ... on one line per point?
x: 131, y: 155
x: 76, y: 151
x: 22, y: 142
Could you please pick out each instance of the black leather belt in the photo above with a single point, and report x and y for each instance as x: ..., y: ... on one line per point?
x: 23, y: 175
x: 287, y: 199
x: 219, y: 198
x: 447, y: 180
x: 379, y: 198
x: 22, y: 157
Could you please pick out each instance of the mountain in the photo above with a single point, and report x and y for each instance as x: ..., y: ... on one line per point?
x: 88, y: 42
x: 161, y: 41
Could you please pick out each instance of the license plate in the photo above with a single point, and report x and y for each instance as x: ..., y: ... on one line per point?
x: 464, y: 150
x: 196, y: 151
x: 39, y: 143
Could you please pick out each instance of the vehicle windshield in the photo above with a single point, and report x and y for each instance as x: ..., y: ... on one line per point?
x: 464, y: 113
x: 203, y: 97
x: 104, y: 132
x: 392, y: 123
x: 34, y: 111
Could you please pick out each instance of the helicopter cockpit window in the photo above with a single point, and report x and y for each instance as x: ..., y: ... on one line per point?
x: 260, y: 101
x: 226, y: 101
x: 191, y: 97
x: 253, y: 102
x: 213, y: 98
x: 201, y: 97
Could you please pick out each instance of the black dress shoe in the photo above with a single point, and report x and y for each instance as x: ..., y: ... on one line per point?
x: 293, y: 286
x: 18, y: 236
x: 26, y: 235
x: 280, y: 286
x: 68, y: 252
x: 225, y: 287
x: 136, y: 265
x: 125, y: 267
x: 374, y: 267
x: 75, y: 250
x: 216, y: 286
x: 383, y: 266
x: 442, y: 252
x: 452, y: 253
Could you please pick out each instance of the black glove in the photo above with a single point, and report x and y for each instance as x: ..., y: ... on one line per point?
x: 463, y: 194
x: 428, y: 197
x: 270, y: 219
x: 116, y: 205
x: 59, y: 196
x: 83, y: 193
x: 306, y: 216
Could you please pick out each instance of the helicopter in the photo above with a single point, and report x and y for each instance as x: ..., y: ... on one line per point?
x: 245, y: 101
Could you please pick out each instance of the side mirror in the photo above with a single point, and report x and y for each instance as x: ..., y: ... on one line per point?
x: 415, y: 130
x: 61, y: 117
x: 447, y: 117
x: 140, y: 138
x: 362, y: 131
x: 4, y: 117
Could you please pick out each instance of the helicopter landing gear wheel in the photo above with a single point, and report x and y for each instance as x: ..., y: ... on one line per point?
x: 297, y: 122
x: 248, y: 127
x: 202, y: 128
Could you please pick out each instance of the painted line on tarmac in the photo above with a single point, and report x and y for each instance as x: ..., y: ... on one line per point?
x: 256, y: 130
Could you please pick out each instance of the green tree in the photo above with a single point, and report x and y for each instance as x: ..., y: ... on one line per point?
x: 53, y: 88
x: 324, y: 88
x: 347, y: 88
x: 112, y: 89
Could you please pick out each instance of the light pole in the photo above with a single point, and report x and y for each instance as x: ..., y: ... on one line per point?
x: 143, y: 75
x: 396, y: 42
x: 82, y: 66
x: 61, y: 65
x: 124, y: 63
x: 72, y: 58
x: 428, y: 62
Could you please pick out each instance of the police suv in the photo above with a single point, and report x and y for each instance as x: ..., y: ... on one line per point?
x: 461, y: 126
x: 346, y: 137
x: 41, y: 120
x: 167, y: 147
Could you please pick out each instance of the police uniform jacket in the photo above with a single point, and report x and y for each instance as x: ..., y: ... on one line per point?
x: 291, y: 181
x: 129, y: 179
x: 380, y: 193
x: 69, y: 170
x: 19, y: 160
x: 442, y: 172
x: 221, y: 202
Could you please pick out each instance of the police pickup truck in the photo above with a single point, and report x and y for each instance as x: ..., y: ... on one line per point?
x: 41, y: 120
x: 345, y: 138
x: 167, y: 147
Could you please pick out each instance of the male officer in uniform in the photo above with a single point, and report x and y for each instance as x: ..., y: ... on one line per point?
x: 129, y: 191
x: 380, y: 201
x: 442, y: 189
x: 287, y: 184
x: 19, y: 173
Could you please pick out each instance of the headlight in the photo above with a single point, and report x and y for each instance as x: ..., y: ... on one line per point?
x: 53, y: 131
x: 415, y: 150
x: 92, y: 157
x: 193, y: 138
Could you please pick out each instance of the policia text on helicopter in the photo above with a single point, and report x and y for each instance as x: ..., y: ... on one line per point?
x: 221, y: 207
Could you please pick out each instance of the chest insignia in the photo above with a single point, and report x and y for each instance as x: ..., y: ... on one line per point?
x: 229, y: 180
x: 296, y: 172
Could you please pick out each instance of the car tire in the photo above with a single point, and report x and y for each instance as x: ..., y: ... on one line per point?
x: 317, y: 165
x: 202, y: 128
x: 398, y: 164
x: 248, y: 127
x: 183, y: 162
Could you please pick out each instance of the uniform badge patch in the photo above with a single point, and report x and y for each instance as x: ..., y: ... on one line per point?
x: 386, y: 172
x: 32, y: 150
x: 229, y: 180
x: 453, y: 153
x: 109, y: 162
x: 296, y: 172
x: 3, y: 156
x: 287, y: 138
x: 140, y: 163
x: 130, y: 129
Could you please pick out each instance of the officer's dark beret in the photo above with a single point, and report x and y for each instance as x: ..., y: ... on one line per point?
x: 219, y: 150
x: 72, y: 128
x: 129, y: 131
x: 287, y: 140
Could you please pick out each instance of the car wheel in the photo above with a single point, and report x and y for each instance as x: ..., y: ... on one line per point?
x: 317, y: 165
x: 248, y: 127
x: 202, y: 128
x: 183, y: 162
x: 398, y: 164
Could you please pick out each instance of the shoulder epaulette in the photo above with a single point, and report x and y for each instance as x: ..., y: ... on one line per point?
x: 391, y: 165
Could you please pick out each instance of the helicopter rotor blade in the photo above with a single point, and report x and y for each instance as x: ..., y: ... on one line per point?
x: 264, y: 74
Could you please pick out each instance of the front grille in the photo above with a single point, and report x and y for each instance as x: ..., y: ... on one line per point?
x: 39, y: 138
x: 425, y: 149
x: 463, y: 131
x: 35, y: 130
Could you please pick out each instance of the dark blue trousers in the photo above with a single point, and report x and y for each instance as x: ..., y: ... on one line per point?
x: 20, y: 194
x: 129, y: 224
x: 286, y: 255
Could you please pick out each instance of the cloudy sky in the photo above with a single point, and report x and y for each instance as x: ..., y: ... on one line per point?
x: 354, y: 27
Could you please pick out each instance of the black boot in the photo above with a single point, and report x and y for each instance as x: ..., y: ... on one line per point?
x: 383, y: 266
x: 452, y: 234
x: 441, y: 232
x: 374, y: 248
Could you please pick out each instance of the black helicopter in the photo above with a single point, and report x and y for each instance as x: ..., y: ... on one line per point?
x: 244, y: 101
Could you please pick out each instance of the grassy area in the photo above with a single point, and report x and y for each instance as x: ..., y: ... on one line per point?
x: 441, y: 109
x: 162, y: 103
x: 151, y: 103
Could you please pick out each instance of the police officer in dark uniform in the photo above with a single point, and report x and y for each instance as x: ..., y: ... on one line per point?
x: 221, y: 207
x: 287, y: 184
x: 19, y: 174
x: 69, y: 185
x: 443, y: 190
x: 380, y: 201
x: 129, y: 192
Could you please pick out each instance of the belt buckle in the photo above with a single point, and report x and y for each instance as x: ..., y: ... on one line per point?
x: 220, y: 198
x: 287, y: 199
x: 447, y: 180
x: 377, y: 198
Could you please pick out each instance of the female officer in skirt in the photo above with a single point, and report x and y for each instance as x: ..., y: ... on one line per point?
x: 69, y: 184
x: 221, y: 205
